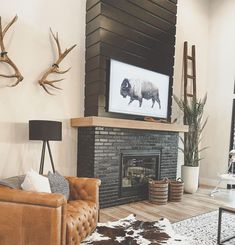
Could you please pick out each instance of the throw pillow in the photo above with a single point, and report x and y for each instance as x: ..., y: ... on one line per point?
x: 13, y: 182
x: 36, y: 182
x: 58, y: 184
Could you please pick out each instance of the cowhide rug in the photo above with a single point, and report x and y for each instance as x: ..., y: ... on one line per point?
x: 129, y: 231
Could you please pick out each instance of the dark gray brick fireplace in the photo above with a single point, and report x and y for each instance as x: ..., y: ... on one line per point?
x: 100, y: 150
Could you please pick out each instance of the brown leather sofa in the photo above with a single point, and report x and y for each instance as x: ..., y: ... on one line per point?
x: 29, y: 218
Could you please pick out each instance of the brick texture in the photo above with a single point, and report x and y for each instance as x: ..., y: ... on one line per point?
x: 99, y: 155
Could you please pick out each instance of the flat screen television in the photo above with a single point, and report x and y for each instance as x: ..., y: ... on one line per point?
x: 137, y: 91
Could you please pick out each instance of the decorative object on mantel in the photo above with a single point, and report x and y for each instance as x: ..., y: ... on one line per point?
x: 132, y: 231
x: 45, y: 131
x: 151, y: 119
x: 44, y: 82
x: 4, y: 58
x: 193, y: 113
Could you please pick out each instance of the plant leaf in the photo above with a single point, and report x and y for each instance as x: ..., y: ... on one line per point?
x: 193, y: 113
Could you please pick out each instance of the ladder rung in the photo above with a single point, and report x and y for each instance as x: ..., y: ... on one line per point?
x: 189, y: 61
x: 192, y: 77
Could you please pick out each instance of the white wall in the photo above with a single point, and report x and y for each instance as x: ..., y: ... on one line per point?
x: 221, y: 69
x: 209, y: 24
x: 192, y: 26
x: 30, y: 46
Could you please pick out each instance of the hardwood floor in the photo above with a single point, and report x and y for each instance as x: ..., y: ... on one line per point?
x: 191, y: 205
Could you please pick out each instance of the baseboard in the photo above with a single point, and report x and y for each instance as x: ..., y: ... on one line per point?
x: 212, y: 182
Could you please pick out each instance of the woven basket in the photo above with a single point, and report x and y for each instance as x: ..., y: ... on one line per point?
x: 158, y: 191
x: 176, y: 190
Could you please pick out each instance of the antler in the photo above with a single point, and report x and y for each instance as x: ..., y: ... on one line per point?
x: 55, y: 67
x: 3, y: 54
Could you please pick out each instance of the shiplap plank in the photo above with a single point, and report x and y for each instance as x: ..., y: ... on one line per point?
x: 93, y: 38
x: 93, y: 12
x: 93, y: 51
x: 144, y: 16
x: 94, y: 88
x: 95, y: 75
x: 132, y: 34
x: 155, y: 10
x: 135, y: 23
x: 97, y: 62
x: 163, y: 65
x: 170, y: 6
x: 91, y: 3
x: 93, y: 25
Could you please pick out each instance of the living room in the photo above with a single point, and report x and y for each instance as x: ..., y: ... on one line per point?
x: 145, y: 36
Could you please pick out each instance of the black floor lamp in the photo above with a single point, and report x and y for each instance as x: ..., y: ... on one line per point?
x: 45, y: 131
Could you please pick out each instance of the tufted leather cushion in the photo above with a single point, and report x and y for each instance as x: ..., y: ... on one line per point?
x: 82, y: 209
x: 81, y: 220
x: 84, y: 189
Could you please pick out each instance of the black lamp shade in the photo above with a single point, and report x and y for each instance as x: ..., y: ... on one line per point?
x: 45, y: 130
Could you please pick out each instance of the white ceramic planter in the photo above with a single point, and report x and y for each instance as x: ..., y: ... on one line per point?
x: 190, y: 177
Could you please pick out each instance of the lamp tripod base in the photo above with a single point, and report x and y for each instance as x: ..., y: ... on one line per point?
x: 46, y: 143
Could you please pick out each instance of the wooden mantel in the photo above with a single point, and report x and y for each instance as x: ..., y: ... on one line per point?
x: 124, y: 123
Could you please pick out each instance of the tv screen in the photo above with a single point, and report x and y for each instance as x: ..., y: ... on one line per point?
x: 137, y: 91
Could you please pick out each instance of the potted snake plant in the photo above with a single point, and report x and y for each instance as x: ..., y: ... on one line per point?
x: 193, y: 114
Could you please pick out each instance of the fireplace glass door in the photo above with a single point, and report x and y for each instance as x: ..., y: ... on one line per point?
x: 136, y: 170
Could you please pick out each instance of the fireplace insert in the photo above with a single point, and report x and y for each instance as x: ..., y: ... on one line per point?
x: 136, y: 169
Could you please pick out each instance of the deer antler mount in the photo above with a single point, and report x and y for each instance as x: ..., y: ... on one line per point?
x: 44, y: 82
x: 4, y: 56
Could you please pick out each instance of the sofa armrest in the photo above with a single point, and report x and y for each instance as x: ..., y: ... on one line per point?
x: 29, y: 197
x: 84, y: 189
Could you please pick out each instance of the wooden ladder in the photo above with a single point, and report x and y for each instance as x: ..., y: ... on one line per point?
x: 189, y: 79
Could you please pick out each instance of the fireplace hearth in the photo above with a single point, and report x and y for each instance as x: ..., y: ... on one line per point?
x: 136, y: 168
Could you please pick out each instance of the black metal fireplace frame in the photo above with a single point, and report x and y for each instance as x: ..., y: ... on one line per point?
x: 157, y: 154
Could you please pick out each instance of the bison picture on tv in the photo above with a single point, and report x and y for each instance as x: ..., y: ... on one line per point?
x: 137, y: 91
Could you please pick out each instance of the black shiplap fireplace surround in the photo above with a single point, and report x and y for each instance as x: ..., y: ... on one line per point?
x: 136, y: 32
